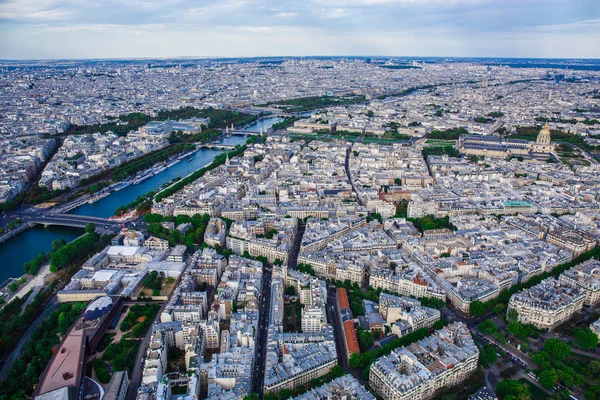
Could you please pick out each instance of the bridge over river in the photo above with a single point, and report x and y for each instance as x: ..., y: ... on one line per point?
x: 76, y: 221
x: 217, y: 146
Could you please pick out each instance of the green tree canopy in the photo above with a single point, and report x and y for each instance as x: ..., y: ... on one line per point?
x: 476, y: 309
x: 515, y: 389
x: 548, y: 378
x: 89, y: 228
x: 586, y: 339
x: 488, y: 327
x: 557, y: 349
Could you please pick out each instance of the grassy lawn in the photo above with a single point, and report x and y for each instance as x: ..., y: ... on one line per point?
x: 574, y: 161
x: 139, y: 319
x: 346, y: 136
x: 303, y: 136
x: 384, y: 140
x: 439, y: 142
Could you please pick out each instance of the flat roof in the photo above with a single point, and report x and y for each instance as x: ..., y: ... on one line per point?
x: 65, y: 366
x: 103, y: 275
x: 122, y: 250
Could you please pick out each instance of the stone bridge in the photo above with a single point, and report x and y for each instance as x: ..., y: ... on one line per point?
x: 77, y: 221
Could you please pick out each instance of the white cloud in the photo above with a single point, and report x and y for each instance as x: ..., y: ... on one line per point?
x: 286, y: 15
x: 35, y: 10
x: 331, y: 13
x: 370, y: 3
x: 163, y: 28
x: 583, y: 25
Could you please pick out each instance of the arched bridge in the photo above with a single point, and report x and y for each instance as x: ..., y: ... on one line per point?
x: 77, y: 221
x: 217, y: 146
x: 244, y: 133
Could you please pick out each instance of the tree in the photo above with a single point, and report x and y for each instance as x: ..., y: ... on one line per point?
x: 73, y: 251
x: 336, y: 372
x: 488, y: 327
x: 356, y: 360
x: 548, y: 378
x: 89, y: 228
x: 593, y: 393
x: 57, y: 244
x: 306, y: 268
x: 498, y: 308
x: 542, y: 359
x: 63, y: 323
x: 290, y: 291
x: 557, y: 349
x: 477, y: 308
x: 521, y: 331
x: 365, y: 339
x: 488, y: 355
x: 593, y: 368
x: 586, y: 339
x: 512, y: 388
x: 562, y: 395
x: 512, y: 315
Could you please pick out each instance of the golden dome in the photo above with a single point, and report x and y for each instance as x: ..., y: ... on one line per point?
x: 545, y: 129
x: 543, y: 137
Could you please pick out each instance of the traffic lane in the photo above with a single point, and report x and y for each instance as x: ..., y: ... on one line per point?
x: 514, y: 354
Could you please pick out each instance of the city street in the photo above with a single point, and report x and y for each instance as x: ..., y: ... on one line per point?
x: 261, y: 334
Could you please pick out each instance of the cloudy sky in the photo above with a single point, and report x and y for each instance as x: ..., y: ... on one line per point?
x: 36, y: 29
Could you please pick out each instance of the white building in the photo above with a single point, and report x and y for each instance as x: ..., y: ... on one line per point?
x: 547, y: 304
x: 418, y: 371
x: 585, y: 276
x: 156, y: 359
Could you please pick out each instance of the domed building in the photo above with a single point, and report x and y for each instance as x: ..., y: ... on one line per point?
x: 501, y: 147
x: 543, y: 144
x: 98, y: 308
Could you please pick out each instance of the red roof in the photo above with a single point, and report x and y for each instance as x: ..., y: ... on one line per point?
x: 419, y: 281
x: 343, y: 298
x: 351, y: 340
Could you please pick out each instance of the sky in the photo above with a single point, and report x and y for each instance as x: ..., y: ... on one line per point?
x: 43, y: 29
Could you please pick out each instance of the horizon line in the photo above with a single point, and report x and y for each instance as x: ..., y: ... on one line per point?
x: 290, y: 57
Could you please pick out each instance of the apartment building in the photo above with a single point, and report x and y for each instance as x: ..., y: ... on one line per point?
x: 394, y: 308
x: 470, y: 289
x: 411, y: 281
x: 585, y: 276
x: 547, y: 304
x: 155, y: 364
x: 418, y: 371
x: 345, y: 387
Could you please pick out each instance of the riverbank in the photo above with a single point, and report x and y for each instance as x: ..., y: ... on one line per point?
x: 35, y: 284
x: 133, y: 179
x: 14, y: 232
x: 32, y: 282
x: 29, y: 242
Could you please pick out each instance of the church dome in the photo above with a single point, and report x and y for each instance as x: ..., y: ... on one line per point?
x: 544, y: 136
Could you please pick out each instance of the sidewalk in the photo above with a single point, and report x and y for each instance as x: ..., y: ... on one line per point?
x: 35, y: 284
